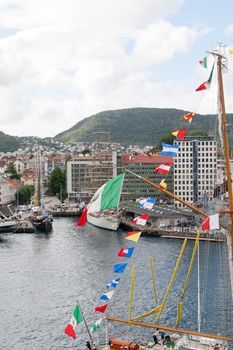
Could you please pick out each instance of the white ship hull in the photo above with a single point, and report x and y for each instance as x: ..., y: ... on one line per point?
x: 108, y: 222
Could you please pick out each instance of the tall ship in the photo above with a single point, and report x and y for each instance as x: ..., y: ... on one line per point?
x: 41, y: 218
x: 169, y: 336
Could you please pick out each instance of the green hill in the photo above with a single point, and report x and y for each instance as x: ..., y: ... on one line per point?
x: 8, y: 143
x: 137, y: 125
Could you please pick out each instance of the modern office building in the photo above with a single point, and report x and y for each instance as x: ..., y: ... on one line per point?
x: 195, y: 170
x: 144, y: 165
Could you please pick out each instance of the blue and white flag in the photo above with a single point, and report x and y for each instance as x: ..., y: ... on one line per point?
x: 147, y: 203
x: 169, y: 150
x: 113, y: 283
x: 107, y: 296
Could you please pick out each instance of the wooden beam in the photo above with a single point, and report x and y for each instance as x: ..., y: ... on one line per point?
x: 169, y: 329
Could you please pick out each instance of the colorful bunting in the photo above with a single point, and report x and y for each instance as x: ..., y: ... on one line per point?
x: 119, y: 268
x: 169, y: 150
x: 113, y: 283
x: 163, y: 168
x: 126, y: 252
x: 101, y: 308
x: 147, y: 203
x: 133, y: 236
x: 141, y: 220
x: 206, y: 84
x: 76, y: 318
x: 83, y: 218
x: 96, y: 325
x: 107, y: 296
x: 180, y: 134
x: 188, y: 117
x: 210, y: 223
x: 163, y: 184
x: 203, y: 62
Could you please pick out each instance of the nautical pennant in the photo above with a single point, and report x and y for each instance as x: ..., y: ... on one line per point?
x: 107, y: 296
x: 101, y: 308
x: 96, y: 325
x: 169, y: 150
x: 180, y: 134
x: 126, y: 252
x: 133, y: 236
x: 113, y: 283
x: 163, y: 184
x: 188, y: 117
x: 147, y: 203
x: 210, y: 223
x: 141, y: 220
x: 206, y: 84
x: 119, y: 268
x: 163, y: 168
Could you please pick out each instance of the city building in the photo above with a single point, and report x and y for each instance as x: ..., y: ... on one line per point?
x: 144, y: 165
x: 86, y: 173
x: 195, y: 170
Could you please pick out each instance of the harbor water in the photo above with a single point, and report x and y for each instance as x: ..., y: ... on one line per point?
x: 43, y: 275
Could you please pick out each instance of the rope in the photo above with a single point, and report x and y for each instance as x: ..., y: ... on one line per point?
x: 180, y: 305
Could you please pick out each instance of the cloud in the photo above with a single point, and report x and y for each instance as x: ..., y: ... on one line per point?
x: 67, y: 59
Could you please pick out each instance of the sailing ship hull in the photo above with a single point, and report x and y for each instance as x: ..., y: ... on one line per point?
x: 108, y: 222
x: 44, y: 226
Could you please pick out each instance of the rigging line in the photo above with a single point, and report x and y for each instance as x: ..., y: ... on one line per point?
x: 206, y: 248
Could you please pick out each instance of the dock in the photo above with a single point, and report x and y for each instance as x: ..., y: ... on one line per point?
x: 173, y: 232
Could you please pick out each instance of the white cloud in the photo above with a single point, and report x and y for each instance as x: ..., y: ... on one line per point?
x: 71, y: 58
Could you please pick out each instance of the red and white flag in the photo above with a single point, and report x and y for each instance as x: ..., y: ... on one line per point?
x: 210, y: 223
x: 163, y: 168
x: 141, y: 220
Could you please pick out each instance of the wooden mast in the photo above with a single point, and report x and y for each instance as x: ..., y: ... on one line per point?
x: 226, y: 143
x: 169, y: 329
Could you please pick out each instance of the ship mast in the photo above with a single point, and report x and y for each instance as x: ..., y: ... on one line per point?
x: 225, y: 139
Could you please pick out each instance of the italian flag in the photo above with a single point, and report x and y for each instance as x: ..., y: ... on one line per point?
x: 210, y: 223
x: 76, y: 318
x: 96, y: 325
x: 107, y: 196
x: 203, y: 62
x: 206, y: 84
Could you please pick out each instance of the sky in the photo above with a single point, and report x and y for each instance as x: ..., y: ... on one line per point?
x: 64, y: 60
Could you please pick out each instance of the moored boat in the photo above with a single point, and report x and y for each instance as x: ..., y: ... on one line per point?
x: 102, y: 211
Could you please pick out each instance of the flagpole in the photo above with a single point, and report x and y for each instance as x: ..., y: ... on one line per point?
x: 88, y: 331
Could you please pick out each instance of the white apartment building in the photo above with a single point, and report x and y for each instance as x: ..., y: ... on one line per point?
x: 195, y: 169
x: 7, y: 195
x: 86, y: 174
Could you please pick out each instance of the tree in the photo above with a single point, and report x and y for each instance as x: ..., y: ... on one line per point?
x: 24, y: 194
x: 13, y: 173
x: 57, y: 183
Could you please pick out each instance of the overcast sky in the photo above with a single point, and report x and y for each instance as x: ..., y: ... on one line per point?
x: 64, y: 60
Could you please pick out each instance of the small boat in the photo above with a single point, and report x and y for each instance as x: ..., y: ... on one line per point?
x: 41, y: 219
x: 8, y: 226
x: 102, y: 211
